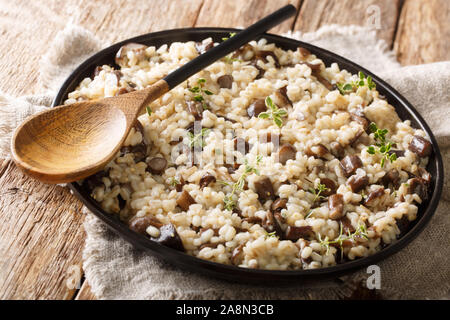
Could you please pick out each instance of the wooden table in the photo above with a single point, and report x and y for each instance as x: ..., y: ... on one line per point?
x: 41, y: 232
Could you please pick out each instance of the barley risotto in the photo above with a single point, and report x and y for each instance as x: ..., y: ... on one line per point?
x: 266, y: 159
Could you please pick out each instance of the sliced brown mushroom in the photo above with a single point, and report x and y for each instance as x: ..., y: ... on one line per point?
x: 337, y: 150
x: 304, y: 52
x: 139, y: 151
x: 279, y: 205
x: 122, y: 202
x: 97, y: 71
x: 362, y: 120
x: 286, y: 152
x: 236, y: 256
x: 140, y: 224
x: 225, y: 81
x: 204, y: 46
x: 242, y: 51
x: 317, y: 151
x: 256, y: 108
x: 357, y: 182
x: 271, y: 224
x: 336, y: 206
x: 157, y: 165
x: 122, y: 55
x: 270, y: 137
x: 168, y: 236
x: 418, y: 186
x: 315, y: 71
x: 206, y: 179
x: 264, y: 189
x: 420, y: 146
x: 347, y: 226
x: 391, y: 177
x: 185, y: 200
x: 424, y: 174
x: 374, y: 194
x: 140, y: 128
x: 294, y: 233
x: 281, y: 94
x: 254, y: 220
x: 398, y: 153
x: 261, y: 71
x: 349, y: 165
x: 403, y: 224
x: 232, y: 167
x: 263, y: 54
x: 330, y: 186
x: 179, y: 183
x: 313, y: 66
x: 355, y: 138
x: 95, y: 180
x: 241, y: 145
x: 195, y: 108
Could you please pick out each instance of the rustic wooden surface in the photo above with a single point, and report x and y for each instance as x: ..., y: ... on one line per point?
x: 41, y: 233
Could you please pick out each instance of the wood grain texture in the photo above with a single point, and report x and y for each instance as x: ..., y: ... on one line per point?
x: 232, y: 13
x: 40, y: 241
x: 40, y: 237
x: 112, y: 21
x: 423, y: 34
x: 316, y: 13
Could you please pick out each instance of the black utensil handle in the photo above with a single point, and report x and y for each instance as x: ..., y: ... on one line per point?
x: 230, y: 45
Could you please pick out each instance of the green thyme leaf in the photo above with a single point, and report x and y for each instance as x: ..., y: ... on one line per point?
x: 273, y: 113
x: 345, y: 88
x: 228, y: 200
x: 149, y: 110
x: 200, y: 91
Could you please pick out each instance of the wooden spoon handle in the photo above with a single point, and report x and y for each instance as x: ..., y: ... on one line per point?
x: 228, y: 46
x: 134, y: 103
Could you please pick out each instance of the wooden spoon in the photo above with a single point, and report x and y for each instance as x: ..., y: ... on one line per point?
x: 69, y: 143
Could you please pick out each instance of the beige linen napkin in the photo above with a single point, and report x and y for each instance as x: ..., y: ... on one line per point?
x: 115, y: 270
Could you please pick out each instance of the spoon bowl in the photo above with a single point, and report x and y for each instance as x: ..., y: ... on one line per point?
x: 69, y: 142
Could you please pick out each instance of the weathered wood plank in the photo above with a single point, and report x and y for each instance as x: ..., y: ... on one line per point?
x: 125, y: 19
x: 40, y: 237
x: 40, y: 226
x: 423, y: 33
x: 23, y: 44
x: 316, y: 13
x: 231, y: 13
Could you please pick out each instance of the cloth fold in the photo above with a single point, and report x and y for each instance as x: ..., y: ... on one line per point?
x: 115, y: 270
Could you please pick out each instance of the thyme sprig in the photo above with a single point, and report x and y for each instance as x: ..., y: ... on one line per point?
x: 228, y: 200
x: 273, y: 113
x: 383, y: 146
x: 271, y: 234
x: 232, y: 34
x: 196, y: 140
x: 320, y: 188
x: 174, y: 182
x: 360, y: 232
x: 200, y: 92
x: 345, y: 88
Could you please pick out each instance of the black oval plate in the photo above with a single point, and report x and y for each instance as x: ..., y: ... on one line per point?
x: 403, y: 107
